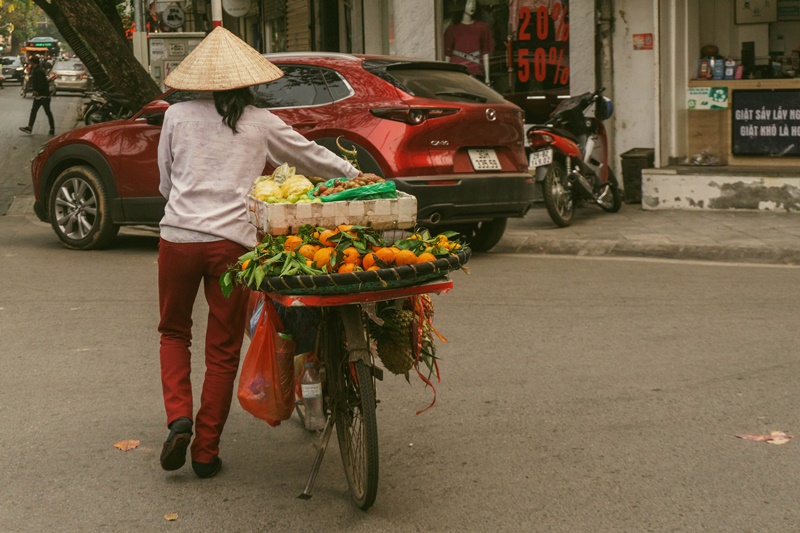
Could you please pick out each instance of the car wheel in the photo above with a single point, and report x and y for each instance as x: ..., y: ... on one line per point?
x: 480, y: 237
x: 79, y: 208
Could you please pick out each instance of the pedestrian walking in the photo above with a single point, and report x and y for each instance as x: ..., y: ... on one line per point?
x: 210, y: 151
x: 41, y: 96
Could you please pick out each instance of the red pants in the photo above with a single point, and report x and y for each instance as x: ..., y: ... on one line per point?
x: 181, y: 268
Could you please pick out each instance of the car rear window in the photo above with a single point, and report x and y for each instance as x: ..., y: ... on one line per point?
x: 450, y: 85
x: 300, y: 86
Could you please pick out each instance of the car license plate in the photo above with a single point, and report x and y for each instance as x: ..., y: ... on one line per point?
x: 540, y: 158
x: 484, y: 159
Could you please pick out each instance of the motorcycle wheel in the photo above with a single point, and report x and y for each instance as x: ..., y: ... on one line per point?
x: 611, y: 199
x: 557, y: 195
x: 95, y: 115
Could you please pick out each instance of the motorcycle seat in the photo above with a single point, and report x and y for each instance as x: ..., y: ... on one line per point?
x: 559, y: 131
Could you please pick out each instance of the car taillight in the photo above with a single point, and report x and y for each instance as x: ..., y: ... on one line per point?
x: 413, y: 115
x: 540, y: 140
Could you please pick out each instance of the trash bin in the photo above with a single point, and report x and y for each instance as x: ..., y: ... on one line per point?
x: 633, y: 162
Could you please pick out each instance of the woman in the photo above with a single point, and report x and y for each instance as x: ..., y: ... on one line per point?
x: 211, y: 149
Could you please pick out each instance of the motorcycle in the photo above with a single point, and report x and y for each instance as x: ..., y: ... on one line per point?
x: 102, y: 106
x: 570, y: 155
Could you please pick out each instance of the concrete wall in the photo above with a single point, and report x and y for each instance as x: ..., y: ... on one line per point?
x: 707, y: 189
x: 415, y: 29
x: 635, y: 74
x: 581, y: 46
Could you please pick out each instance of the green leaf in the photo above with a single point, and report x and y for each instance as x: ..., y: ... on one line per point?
x: 226, y: 284
x: 260, y: 275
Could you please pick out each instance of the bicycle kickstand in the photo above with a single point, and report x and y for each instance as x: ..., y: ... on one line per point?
x: 321, y: 447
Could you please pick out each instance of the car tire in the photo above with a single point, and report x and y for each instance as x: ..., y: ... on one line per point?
x: 80, y: 209
x: 484, y: 236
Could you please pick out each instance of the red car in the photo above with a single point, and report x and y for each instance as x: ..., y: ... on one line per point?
x: 443, y: 136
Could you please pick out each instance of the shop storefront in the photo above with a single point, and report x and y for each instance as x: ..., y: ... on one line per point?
x: 729, y: 95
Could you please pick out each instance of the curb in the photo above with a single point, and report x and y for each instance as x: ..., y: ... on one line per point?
x: 611, y: 248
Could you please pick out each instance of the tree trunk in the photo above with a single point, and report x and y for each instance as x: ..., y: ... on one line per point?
x: 103, y: 50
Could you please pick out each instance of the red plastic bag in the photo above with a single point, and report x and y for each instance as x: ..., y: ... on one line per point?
x: 266, y: 383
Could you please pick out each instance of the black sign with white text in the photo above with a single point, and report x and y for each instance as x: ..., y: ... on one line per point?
x: 766, y: 122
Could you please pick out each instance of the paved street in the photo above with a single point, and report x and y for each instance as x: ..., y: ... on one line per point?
x: 17, y: 148
x: 591, y: 393
x: 578, y: 395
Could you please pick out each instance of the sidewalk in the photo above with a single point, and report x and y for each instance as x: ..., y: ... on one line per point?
x: 734, y: 236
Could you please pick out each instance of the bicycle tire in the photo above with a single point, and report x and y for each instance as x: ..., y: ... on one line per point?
x: 356, y: 422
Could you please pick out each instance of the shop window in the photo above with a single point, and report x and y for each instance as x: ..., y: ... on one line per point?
x: 527, y: 43
x: 299, y: 86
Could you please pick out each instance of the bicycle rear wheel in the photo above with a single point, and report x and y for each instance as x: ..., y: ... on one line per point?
x: 354, y: 405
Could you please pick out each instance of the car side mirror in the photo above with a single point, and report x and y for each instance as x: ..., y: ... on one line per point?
x: 154, y: 111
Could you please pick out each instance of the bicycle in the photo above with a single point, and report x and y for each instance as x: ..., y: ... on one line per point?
x: 349, y: 398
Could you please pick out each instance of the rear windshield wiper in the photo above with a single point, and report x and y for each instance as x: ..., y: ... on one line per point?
x: 468, y: 96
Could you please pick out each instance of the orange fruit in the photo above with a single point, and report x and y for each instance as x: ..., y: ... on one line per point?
x: 374, y: 267
x: 425, y: 256
x: 405, y: 257
x: 368, y: 260
x: 351, y: 255
x: 347, y: 267
x: 325, y: 235
x: 323, y: 257
x: 344, y: 227
x: 293, y: 242
x: 307, y: 251
x: 386, y: 255
x: 245, y: 263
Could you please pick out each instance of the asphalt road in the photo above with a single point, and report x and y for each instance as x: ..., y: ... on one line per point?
x: 18, y: 148
x: 577, y: 395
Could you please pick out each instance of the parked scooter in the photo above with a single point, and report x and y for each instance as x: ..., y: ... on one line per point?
x: 102, y: 106
x: 570, y: 155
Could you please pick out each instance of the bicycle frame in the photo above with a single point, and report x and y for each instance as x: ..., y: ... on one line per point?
x: 358, y: 354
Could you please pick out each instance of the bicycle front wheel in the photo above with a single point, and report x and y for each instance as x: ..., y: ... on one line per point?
x: 356, y: 423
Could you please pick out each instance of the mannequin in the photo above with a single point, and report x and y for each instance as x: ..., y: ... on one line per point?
x: 468, y: 41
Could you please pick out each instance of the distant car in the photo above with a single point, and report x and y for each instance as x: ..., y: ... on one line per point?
x: 439, y: 133
x: 13, y: 69
x: 71, y: 75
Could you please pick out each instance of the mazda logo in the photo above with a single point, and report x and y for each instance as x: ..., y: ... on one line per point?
x: 491, y: 115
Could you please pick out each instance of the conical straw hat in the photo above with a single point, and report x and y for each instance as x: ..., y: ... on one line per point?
x: 221, y: 62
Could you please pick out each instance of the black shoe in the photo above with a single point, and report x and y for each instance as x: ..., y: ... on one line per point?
x: 173, y: 454
x: 206, y: 470
x: 26, y: 129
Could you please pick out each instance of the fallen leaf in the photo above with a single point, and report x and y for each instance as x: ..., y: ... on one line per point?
x: 126, y: 445
x: 774, y: 437
x: 757, y: 438
x: 171, y: 517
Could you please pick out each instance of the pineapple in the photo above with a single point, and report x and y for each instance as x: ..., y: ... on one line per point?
x: 394, y: 340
